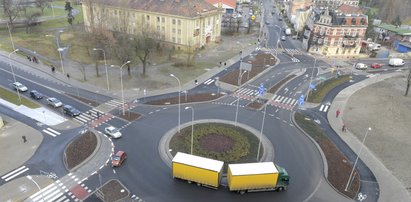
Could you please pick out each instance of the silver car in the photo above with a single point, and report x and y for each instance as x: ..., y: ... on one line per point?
x: 113, y: 132
x: 54, y: 102
x: 20, y: 87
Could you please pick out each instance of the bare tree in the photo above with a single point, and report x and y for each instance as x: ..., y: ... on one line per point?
x: 30, y: 18
x: 42, y: 4
x: 123, y: 49
x: 144, y: 43
x: 408, y: 83
x: 191, y: 53
x: 11, y: 9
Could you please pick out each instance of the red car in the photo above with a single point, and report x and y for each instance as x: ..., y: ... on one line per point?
x: 376, y: 65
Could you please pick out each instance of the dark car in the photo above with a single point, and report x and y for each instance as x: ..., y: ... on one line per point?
x: 118, y: 159
x: 71, y: 111
x: 36, y: 95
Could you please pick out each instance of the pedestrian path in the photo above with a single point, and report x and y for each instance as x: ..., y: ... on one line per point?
x: 209, y: 81
x: 280, y: 101
x: 114, y: 103
x: 89, y: 116
x: 324, y: 108
x: 294, y: 51
x: 51, y: 132
x: 13, y: 174
x: 61, y: 191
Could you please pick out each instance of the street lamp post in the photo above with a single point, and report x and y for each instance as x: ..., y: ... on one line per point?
x: 356, y: 160
x: 179, y: 103
x: 105, y: 64
x: 12, y: 72
x: 59, y: 50
x: 31, y: 179
x: 11, y: 38
x: 278, y: 39
x: 192, y: 127
x: 121, y: 84
x: 238, y: 100
x: 261, y: 132
x: 311, y: 78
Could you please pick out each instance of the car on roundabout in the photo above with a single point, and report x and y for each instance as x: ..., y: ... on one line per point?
x: 361, y: 66
x: 36, y: 95
x: 112, y: 132
x: 118, y: 159
x: 71, y: 111
x: 376, y: 65
x: 54, y: 102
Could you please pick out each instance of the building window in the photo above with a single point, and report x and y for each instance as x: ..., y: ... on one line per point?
x: 158, y: 19
x: 208, y: 23
x: 174, y: 39
x: 354, y: 33
x: 134, y: 15
x: 115, y: 12
x: 179, y: 31
x: 174, y: 21
x: 163, y: 19
x: 179, y: 40
x: 158, y: 28
x: 174, y: 30
x: 342, y: 32
x: 178, y: 22
x: 339, y: 41
x: 163, y: 29
x: 148, y: 18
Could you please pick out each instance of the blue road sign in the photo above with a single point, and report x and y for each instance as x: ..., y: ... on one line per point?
x: 301, y: 100
x: 261, y: 89
x: 312, y: 86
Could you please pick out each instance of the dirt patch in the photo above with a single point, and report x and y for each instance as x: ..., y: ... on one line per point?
x: 383, y: 107
x: 129, y: 115
x: 112, y: 191
x: 84, y: 100
x: 277, y: 86
x: 190, y: 98
x: 216, y: 143
x: 257, y: 104
x: 80, y: 149
x: 336, y: 161
x: 259, y: 63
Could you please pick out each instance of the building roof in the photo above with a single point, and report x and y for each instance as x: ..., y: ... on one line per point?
x: 186, y: 8
x: 347, y: 9
x: 252, y: 168
x: 231, y: 3
x: 197, y: 161
x: 398, y: 30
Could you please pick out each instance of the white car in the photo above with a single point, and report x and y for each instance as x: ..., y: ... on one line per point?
x: 113, y: 132
x: 20, y: 87
x: 54, y: 102
x: 361, y: 66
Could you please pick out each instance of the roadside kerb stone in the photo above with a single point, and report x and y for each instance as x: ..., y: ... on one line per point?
x: 164, y: 149
x: 391, y: 189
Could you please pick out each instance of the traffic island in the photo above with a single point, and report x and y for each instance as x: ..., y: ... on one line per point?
x: 111, y: 191
x: 338, y: 165
x: 201, y: 97
x: 80, y: 149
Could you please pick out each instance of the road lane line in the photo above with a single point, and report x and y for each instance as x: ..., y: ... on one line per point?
x: 50, y: 133
x: 12, y: 172
x: 16, y: 174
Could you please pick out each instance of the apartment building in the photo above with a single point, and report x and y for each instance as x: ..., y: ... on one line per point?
x: 181, y: 23
x: 333, y: 33
x: 333, y: 4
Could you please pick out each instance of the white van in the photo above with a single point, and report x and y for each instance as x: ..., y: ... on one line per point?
x: 360, y: 66
x: 396, y: 62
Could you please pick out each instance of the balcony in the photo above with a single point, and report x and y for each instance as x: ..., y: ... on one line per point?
x: 350, y: 36
x: 349, y: 45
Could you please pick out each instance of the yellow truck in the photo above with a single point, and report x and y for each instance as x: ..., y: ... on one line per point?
x: 203, y: 171
x: 263, y: 176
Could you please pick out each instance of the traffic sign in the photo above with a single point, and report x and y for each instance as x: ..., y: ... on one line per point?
x: 261, y: 89
x: 312, y: 86
x: 301, y: 100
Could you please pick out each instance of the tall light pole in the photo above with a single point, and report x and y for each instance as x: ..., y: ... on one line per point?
x: 12, y: 72
x: 278, y: 39
x: 179, y: 103
x: 238, y: 100
x: 58, y: 49
x: 311, y: 78
x: 261, y: 132
x: 105, y: 64
x: 31, y: 179
x: 356, y: 160
x: 11, y: 38
x: 121, y: 84
x: 192, y: 127
x: 241, y: 63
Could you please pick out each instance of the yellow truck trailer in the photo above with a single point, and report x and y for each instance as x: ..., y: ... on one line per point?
x: 203, y: 171
x: 263, y: 176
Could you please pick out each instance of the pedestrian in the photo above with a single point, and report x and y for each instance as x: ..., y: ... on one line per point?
x: 35, y: 60
x: 68, y: 76
x: 220, y: 63
x: 343, y: 128
x: 225, y: 63
x: 53, y: 68
x: 337, y: 113
x: 24, y: 139
x: 196, y: 82
x: 28, y: 58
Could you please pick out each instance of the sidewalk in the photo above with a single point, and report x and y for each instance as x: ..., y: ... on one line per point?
x: 391, y: 189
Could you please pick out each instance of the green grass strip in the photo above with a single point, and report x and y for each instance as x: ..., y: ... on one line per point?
x: 309, y: 126
x: 13, y: 98
x: 316, y: 96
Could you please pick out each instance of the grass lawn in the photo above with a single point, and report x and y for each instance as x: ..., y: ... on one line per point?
x: 322, y: 89
x: 13, y: 98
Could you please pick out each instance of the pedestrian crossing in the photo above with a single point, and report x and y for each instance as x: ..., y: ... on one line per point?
x: 59, y: 192
x: 292, y: 51
x: 209, y: 81
x: 276, y: 101
x: 295, y: 59
x: 89, y: 116
x: 12, y: 174
x: 114, y: 103
x: 51, y: 132
x: 324, y: 108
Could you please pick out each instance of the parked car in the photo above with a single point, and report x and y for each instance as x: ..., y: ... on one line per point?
x: 36, y: 95
x: 396, y: 62
x: 118, y: 159
x: 113, y: 132
x: 20, y: 87
x: 282, y: 38
x: 71, y: 111
x: 360, y: 66
x: 376, y: 65
x: 54, y: 102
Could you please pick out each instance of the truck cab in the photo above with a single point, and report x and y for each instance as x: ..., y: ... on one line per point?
x: 283, y: 179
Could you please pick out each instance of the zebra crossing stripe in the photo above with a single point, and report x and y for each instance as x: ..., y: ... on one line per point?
x: 289, y: 100
x: 281, y: 98
x: 326, y: 108
x: 273, y: 97
x: 84, y: 117
x: 322, y: 107
x: 49, y: 133
x: 292, y: 103
x: 285, y: 100
x: 87, y: 116
x: 53, y: 131
x: 14, y: 173
x: 209, y: 81
x: 80, y: 119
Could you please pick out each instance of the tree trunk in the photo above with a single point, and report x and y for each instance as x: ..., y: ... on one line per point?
x: 97, y: 73
x: 129, y: 69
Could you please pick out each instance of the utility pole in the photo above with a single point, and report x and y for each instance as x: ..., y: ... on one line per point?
x: 408, y: 82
